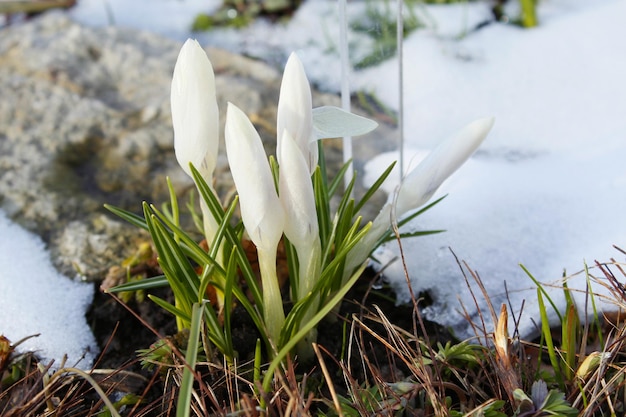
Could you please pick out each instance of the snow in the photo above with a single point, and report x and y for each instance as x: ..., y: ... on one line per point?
x: 546, y: 189
x: 170, y: 18
x: 36, y: 299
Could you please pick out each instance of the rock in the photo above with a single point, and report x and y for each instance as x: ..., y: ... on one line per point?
x: 85, y: 120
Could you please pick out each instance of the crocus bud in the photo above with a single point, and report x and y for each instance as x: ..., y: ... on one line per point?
x: 306, y: 125
x: 295, y: 112
x: 194, y: 110
x: 296, y: 194
x: 261, y: 210
x: 421, y: 183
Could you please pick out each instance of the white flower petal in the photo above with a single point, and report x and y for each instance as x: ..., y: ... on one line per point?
x: 295, y: 110
x: 296, y: 194
x: 421, y: 183
x: 195, y: 114
x: 261, y: 210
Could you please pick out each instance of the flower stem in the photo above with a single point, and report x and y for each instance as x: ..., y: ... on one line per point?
x: 309, y: 257
x: 273, y: 313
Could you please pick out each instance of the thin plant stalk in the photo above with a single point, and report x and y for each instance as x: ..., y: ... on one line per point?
x: 529, y: 14
x: 273, y: 313
x: 400, y: 49
x: 345, y: 83
x: 64, y: 371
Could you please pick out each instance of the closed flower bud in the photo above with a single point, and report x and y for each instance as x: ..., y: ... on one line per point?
x: 261, y: 210
x: 195, y: 114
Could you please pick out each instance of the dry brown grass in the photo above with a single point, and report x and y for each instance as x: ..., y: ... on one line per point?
x: 384, y: 370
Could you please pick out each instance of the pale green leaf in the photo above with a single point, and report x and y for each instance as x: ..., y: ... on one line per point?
x: 333, y: 122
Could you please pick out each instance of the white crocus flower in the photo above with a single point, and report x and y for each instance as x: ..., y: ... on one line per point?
x: 195, y: 114
x: 261, y: 210
x: 195, y: 117
x: 301, y: 227
x: 295, y: 111
x: 307, y: 125
x: 420, y: 185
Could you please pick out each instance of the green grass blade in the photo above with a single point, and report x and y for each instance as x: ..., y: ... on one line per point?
x: 569, y: 339
x: 191, y: 207
x: 216, y: 333
x: 407, y: 235
x: 188, y: 245
x: 177, y: 261
x: 231, y: 280
x: 292, y: 268
x: 173, y: 203
x: 131, y: 218
x: 322, y: 207
x: 231, y: 235
x: 176, y: 312
x: 420, y: 211
x: 596, y: 316
x: 370, y: 192
x: 183, y: 406
x: 258, y: 358
x: 344, y: 223
x: 208, y: 195
x: 291, y: 344
x: 142, y: 284
x: 338, y: 180
x: 547, y: 335
x: 544, y: 292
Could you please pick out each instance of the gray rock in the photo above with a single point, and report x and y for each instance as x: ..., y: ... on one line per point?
x: 85, y: 120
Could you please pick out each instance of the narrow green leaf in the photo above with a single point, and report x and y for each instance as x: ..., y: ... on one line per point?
x: 176, y: 312
x: 188, y: 245
x: 370, y: 192
x: 258, y: 358
x: 275, y: 170
x: 231, y: 283
x: 142, y: 284
x: 544, y: 292
x: 131, y: 218
x: 322, y: 206
x: 344, y: 222
x: 547, y: 335
x: 569, y: 332
x: 218, y: 213
x: 596, y: 316
x: 177, y: 261
x: 191, y: 206
x: 406, y: 235
x: 420, y: 211
x: 183, y: 406
x: 208, y: 195
x: 304, y: 330
x: 173, y: 202
x: 292, y: 267
x: 338, y: 180
x: 216, y: 333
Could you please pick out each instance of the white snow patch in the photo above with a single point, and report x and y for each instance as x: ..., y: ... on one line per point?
x: 36, y: 299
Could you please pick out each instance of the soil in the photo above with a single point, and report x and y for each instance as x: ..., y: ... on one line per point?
x: 122, y: 329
